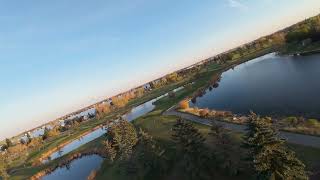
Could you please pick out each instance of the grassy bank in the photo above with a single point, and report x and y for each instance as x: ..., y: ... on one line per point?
x: 25, y: 172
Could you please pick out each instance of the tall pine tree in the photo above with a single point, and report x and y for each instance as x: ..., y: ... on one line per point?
x: 190, y: 144
x: 225, y: 152
x: 270, y: 158
x: 122, y: 137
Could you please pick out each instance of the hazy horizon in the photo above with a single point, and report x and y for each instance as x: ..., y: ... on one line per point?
x: 57, y: 57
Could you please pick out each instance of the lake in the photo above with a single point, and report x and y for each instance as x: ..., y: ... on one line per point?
x: 145, y: 108
x: 269, y: 85
x: 78, y: 169
x: 77, y: 143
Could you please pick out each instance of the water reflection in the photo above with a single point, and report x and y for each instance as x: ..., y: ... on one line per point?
x: 78, y: 169
x: 77, y: 143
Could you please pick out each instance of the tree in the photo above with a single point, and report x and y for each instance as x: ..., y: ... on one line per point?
x: 173, y: 77
x: 184, y: 104
x: 150, y: 154
x: 45, y: 134
x: 29, y: 138
x: 119, y: 102
x: 110, y: 151
x: 102, y: 109
x: 123, y: 138
x: 139, y: 92
x: 51, y: 132
x: 9, y: 143
x: 278, y: 38
x: 270, y: 158
x: 147, y: 159
x: 190, y: 144
x: 225, y: 152
x: 204, y: 113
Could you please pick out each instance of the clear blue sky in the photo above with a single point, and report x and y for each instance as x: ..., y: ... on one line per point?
x: 57, y: 56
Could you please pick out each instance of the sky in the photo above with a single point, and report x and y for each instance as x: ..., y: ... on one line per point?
x: 59, y: 56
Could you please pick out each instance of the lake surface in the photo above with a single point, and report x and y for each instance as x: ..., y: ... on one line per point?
x: 269, y: 85
x: 78, y: 169
x: 145, y: 107
x: 77, y: 143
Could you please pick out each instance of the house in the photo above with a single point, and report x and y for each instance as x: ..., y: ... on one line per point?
x: 147, y: 86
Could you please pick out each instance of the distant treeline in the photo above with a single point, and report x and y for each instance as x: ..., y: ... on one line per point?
x: 307, y: 29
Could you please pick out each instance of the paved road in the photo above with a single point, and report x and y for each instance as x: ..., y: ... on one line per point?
x: 294, y: 138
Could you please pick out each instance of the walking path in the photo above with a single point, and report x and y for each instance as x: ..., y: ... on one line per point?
x: 306, y: 140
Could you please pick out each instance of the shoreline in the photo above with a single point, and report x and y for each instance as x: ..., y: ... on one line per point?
x: 47, y: 154
x: 68, y: 160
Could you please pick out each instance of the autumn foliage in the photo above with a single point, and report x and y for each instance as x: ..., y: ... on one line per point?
x: 204, y: 112
x: 184, y: 104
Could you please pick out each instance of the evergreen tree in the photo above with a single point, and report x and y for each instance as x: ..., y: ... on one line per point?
x: 29, y: 139
x: 271, y: 158
x: 45, y: 133
x: 110, y: 151
x: 150, y: 155
x: 9, y: 142
x: 190, y: 143
x: 123, y: 138
x: 225, y: 153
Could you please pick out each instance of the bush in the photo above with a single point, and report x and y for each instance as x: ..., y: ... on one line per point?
x: 184, y: 104
x: 172, y: 94
x: 204, y: 113
x: 4, y: 147
x: 292, y: 121
x: 313, y: 123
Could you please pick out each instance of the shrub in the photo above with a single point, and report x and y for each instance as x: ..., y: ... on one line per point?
x: 291, y: 121
x: 184, y: 104
x: 227, y: 113
x: 204, y: 113
x: 172, y: 94
x: 92, y: 175
x: 313, y: 123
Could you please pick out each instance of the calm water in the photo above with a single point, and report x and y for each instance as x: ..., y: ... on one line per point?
x: 145, y: 107
x: 78, y: 169
x: 269, y: 85
x: 77, y: 143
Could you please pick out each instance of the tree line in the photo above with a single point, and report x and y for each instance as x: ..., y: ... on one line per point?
x: 261, y: 154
